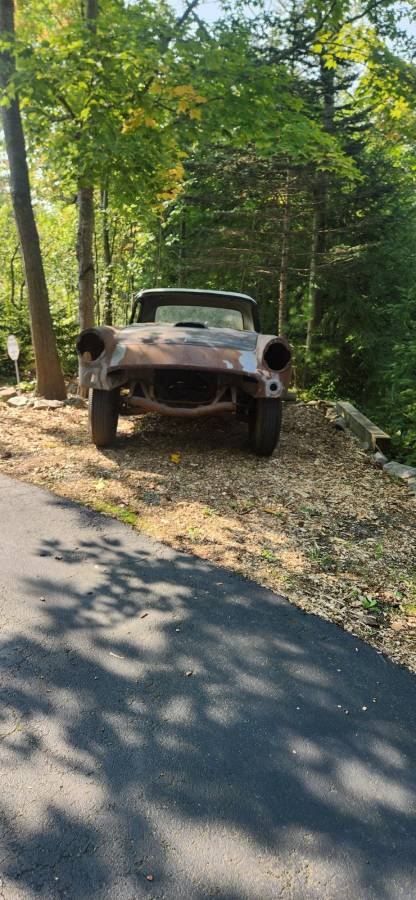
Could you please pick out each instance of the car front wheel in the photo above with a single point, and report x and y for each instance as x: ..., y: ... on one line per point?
x: 103, y: 412
x: 265, y: 424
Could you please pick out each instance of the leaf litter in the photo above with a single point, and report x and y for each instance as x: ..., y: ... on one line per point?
x: 317, y: 523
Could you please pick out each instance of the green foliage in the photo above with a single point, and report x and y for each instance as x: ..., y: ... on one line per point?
x: 198, y: 137
x: 370, y: 603
x: 122, y: 513
x: 56, y: 222
x: 66, y: 331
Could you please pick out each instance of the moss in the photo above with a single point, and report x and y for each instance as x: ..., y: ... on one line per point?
x: 409, y: 609
x: 122, y: 513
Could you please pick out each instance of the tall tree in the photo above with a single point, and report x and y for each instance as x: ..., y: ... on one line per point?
x: 284, y: 259
x: 50, y: 382
x: 106, y: 84
x: 85, y: 199
x: 107, y: 259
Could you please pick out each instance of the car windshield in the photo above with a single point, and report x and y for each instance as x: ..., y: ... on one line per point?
x: 210, y: 316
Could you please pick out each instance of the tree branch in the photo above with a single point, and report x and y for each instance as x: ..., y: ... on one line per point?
x: 165, y: 44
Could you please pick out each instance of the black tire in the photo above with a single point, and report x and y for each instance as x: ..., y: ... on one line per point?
x: 265, y: 425
x: 103, y: 410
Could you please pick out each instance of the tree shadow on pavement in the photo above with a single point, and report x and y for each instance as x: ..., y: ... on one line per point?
x: 171, y: 730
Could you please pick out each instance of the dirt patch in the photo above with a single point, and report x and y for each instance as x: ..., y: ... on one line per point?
x: 316, y: 523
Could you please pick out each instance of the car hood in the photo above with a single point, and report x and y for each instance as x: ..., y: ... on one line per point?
x: 150, y: 346
x: 197, y: 337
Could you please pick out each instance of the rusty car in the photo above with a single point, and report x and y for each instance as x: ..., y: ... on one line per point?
x: 187, y: 352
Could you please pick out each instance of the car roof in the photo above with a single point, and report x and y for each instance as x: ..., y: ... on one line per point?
x: 201, y: 291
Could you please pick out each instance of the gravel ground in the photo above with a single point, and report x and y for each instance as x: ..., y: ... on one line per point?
x: 317, y: 522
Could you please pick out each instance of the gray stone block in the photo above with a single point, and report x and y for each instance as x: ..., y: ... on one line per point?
x: 17, y: 401
x: 78, y: 402
x: 6, y: 393
x: 380, y: 459
x: 48, y: 404
x: 399, y: 470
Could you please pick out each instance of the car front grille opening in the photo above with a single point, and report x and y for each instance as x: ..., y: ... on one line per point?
x: 182, y: 387
x: 138, y: 390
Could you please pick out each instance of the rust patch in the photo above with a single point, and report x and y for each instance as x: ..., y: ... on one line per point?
x: 131, y: 353
x: 186, y: 365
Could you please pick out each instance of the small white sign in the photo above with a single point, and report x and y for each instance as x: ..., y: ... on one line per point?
x: 13, y: 348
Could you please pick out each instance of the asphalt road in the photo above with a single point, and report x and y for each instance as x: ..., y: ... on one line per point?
x: 170, y: 730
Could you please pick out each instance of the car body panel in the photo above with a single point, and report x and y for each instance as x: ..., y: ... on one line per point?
x: 134, y: 356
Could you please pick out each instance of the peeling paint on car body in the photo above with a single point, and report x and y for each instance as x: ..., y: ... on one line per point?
x: 139, y: 357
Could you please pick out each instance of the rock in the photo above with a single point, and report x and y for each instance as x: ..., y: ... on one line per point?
x: 41, y: 403
x: 72, y: 388
x: 370, y: 620
x: 379, y: 459
x: 17, y: 401
x: 331, y: 414
x: 399, y: 470
x: 78, y: 402
x: 412, y: 484
x: 339, y: 423
x: 323, y: 405
x: 6, y: 393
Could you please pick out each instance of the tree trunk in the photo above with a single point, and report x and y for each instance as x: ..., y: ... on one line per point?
x: 89, y: 10
x: 284, y: 260
x: 316, y: 295
x: 85, y: 237
x: 320, y: 216
x: 13, y: 278
x: 85, y: 256
x: 50, y: 382
x: 159, y: 254
x: 97, y: 300
x: 312, y: 317
x: 181, y: 254
x: 108, y: 259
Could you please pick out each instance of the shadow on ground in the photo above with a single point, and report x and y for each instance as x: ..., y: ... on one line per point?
x: 165, y: 719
